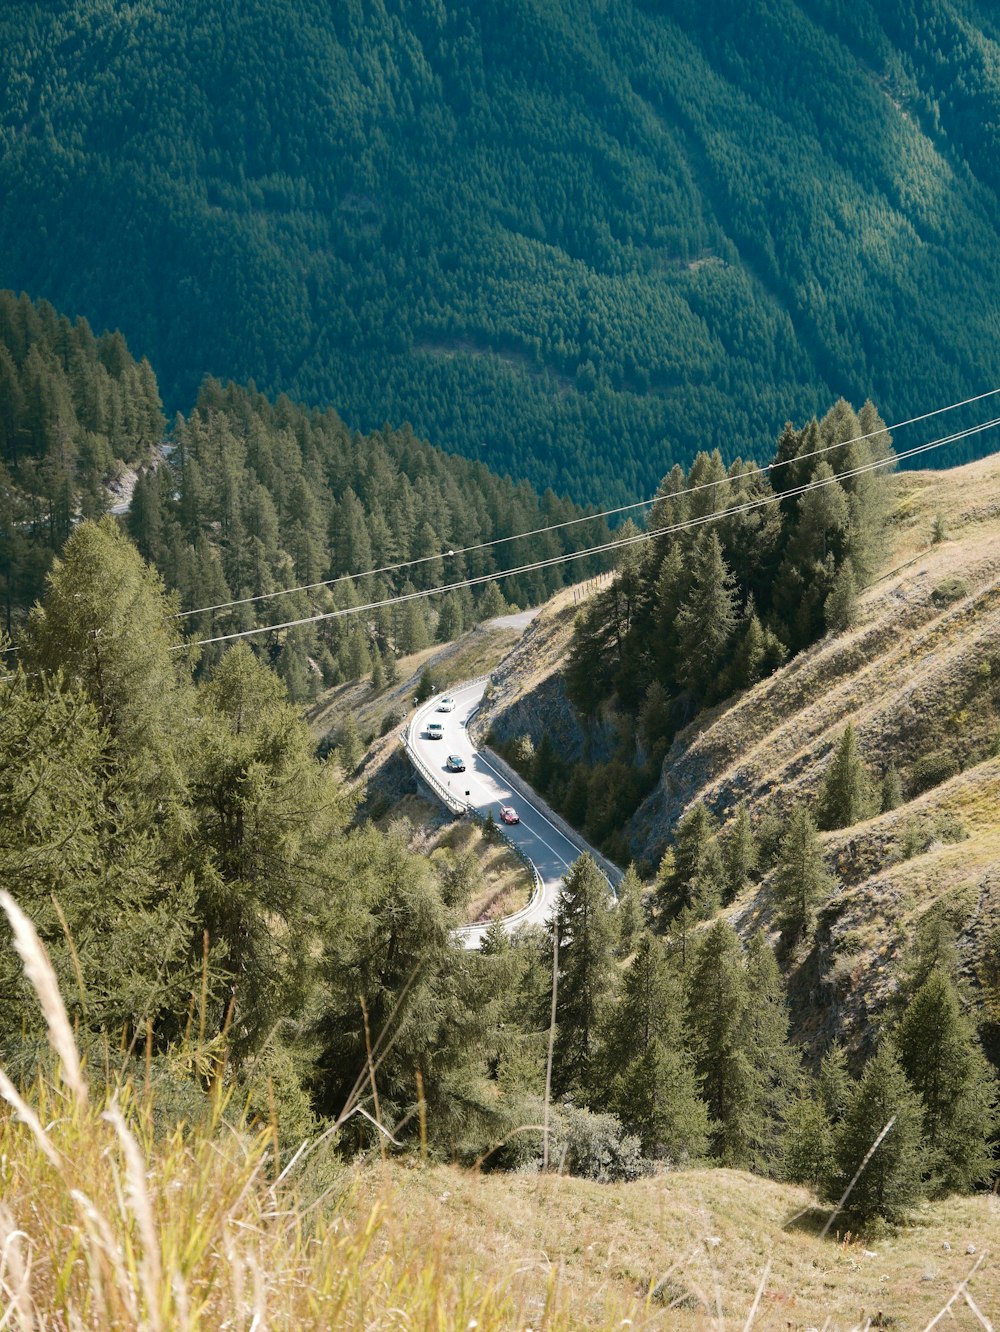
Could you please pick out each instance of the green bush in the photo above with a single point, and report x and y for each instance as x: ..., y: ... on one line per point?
x: 596, y: 1146
x: 931, y: 770
x: 949, y: 589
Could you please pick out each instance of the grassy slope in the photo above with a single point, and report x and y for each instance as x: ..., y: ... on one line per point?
x: 909, y: 676
x: 605, y: 1247
x: 101, y: 1224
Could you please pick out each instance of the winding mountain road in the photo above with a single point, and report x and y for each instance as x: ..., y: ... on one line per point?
x: 483, y: 788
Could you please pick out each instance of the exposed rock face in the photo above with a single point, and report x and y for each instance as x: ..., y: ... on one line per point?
x: 528, y: 695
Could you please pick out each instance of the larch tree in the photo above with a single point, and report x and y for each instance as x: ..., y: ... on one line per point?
x: 944, y: 1064
x: 630, y: 913
x: 79, y: 853
x: 654, y: 1089
x: 800, y: 878
x: 892, y: 1181
x: 106, y: 623
x: 717, y: 1006
x: 268, y: 821
x: 586, y: 960
x: 708, y: 619
x: 739, y: 853
x: 846, y: 797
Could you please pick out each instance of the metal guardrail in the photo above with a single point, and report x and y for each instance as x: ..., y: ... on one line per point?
x: 515, y: 918
x: 608, y: 870
x: 452, y: 802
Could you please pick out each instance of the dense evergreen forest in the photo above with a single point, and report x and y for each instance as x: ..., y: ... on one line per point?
x: 217, y: 918
x: 245, y: 498
x: 745, y: 566
x: 579, y: 242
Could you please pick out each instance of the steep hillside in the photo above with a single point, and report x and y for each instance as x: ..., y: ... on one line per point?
x: 576, y: 241
x: 688, y: 1249
x: 919, y: 672
x: 918, y: 675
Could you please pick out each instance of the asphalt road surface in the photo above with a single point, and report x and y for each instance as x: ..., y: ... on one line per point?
x: 482, y: 786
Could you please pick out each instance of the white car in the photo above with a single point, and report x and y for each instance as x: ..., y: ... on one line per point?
x: 435, y: 731
x: 446, y: 705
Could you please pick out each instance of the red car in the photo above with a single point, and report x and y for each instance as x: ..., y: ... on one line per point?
x: 508, y: 814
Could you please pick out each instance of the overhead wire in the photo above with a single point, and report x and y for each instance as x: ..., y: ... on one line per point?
x: 585, y: 518
x: 616, y: 544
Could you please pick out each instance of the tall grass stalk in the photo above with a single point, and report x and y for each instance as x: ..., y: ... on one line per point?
x: 105, y: 1225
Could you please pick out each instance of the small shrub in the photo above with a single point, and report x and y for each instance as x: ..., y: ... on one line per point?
x: 931, y: 770
x: 949, y: 828
x: 596, y: 1146
x: 914, y: 839
x: 949, y: 589
x: 522, y: 753
x: 852, y: 941
x: 389, y: 723
x: 426, y: 685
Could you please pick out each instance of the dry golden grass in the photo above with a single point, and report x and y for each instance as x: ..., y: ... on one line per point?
x: 896, y: 674
x: 503, y: 883
x: 103, y: 1225
x: 700, y: 1239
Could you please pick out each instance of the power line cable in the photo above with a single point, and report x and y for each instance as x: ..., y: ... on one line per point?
x: 586, y: 518
x: 614, y: 545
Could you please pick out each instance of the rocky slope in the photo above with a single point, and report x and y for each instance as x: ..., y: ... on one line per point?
x: 919, y: 677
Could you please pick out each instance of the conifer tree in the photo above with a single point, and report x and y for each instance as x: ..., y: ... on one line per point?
x: 656, y: 1098
x: 586, y: 940
x: 739, y: 853
x: 378, y: 672
x: 492, y: 602
x: 933, y: 948
x: 546, y: 763
x: 655, y: 1091
x: 630, y: 914
x: 738, y: 1027
x: 892, y: 789
x: 807, y: 1144
x: 892, y: 1181
x: 800, y: 879
x: 268, y: 823
x: 717, y: 999
x: 707, y: 621
x: 841, y: 606
x: 78, y: 845
x: 696, y: 873
x: 810, y: 1136
x: 775, y: 1064
x: 834, y: 1083
x: 942, y: 1060
x: 650, y: 1006
x: 349, y: 747
x: 384, y: 940
x: 106, y: 623
x: 671, y: 588
x: 845, y: 797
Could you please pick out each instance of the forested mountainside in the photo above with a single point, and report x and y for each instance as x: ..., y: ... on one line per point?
x: 220, y: 924
x: 738, y: 569
x: 845, y: 802
x: 577, y: 241
x: 249, y: 497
